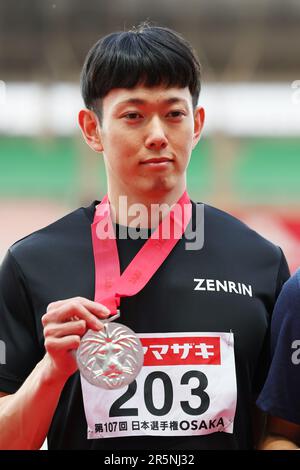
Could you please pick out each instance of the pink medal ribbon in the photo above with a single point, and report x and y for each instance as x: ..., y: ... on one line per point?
x: 112, y: 357
x: 110, y: 286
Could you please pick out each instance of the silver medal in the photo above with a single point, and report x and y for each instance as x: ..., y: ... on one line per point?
x: 110, y: 358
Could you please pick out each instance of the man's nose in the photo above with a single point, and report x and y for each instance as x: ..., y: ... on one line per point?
x: 156, y: 138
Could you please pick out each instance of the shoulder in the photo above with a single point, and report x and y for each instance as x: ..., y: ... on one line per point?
x: 292, y: 286
x: 286, y: 315
x: 228, y: 222
x: 236, y: 233
x: 54, y: 236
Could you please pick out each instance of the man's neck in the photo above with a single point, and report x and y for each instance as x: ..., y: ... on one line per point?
x: 144, y: 212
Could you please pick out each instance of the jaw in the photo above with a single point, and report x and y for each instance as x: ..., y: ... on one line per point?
x: 145, y: 186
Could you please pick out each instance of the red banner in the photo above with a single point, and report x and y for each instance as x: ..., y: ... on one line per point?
x: 181, y: 351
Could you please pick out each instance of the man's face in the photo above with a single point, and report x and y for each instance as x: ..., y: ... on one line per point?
x: 147, y: 136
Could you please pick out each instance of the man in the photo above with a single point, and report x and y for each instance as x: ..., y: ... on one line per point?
x: 202, y: 314
x: 280, y: 395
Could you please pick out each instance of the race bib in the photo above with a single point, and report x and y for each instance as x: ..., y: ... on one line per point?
x: 187, y: 386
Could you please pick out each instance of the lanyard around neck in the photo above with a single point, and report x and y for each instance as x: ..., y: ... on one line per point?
x: 110, y: 285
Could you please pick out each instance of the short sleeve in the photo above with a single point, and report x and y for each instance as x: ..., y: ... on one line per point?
x: 20, y: 350
x: 280, y: 395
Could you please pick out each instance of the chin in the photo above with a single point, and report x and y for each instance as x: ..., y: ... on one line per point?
x: 161, y: 187
x: 157, y: 187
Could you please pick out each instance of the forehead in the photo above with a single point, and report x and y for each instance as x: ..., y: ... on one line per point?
x: 142, y: 95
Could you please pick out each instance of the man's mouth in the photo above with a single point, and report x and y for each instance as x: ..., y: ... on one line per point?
x: 160, y: 161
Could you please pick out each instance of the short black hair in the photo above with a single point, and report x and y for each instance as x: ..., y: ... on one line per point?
x: 148, y: 55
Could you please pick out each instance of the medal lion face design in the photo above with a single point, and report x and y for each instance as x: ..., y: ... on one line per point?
x: 110, y: 358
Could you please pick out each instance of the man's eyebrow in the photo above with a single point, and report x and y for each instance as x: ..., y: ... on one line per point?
x: 140, y: 101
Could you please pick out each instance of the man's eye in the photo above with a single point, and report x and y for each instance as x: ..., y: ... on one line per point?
x: 176, y: 114
x: 132, y: 116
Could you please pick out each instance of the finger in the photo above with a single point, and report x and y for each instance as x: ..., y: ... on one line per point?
x: 66, y: 311
x: 97, y: 308
x: 56, y: 346
x: 60, y: 330
x: 75, y: 318
x: 54, y: 305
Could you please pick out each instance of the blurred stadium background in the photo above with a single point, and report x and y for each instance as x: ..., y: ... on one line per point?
x: 248, y: 161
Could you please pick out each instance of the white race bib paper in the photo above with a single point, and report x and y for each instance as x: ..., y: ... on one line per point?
x: 187, y: 386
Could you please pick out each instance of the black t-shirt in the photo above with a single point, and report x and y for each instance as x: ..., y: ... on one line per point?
x: 57, y: 263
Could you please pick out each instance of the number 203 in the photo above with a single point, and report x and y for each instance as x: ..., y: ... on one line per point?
x: 117, y: 409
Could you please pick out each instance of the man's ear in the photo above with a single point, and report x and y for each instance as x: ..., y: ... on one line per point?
x: 90, y: 127
x: 199, y: 118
